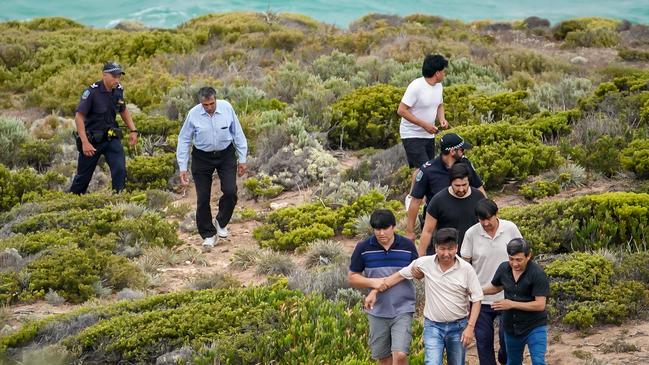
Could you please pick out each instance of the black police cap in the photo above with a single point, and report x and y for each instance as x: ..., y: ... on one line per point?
x: 113, y: 68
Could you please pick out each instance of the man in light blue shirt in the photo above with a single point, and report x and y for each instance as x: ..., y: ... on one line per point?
x: 219, y: 144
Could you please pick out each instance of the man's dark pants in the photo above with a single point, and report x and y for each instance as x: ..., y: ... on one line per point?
x: 484, y: 336
x: 203, y: 166
x: 114, y: 154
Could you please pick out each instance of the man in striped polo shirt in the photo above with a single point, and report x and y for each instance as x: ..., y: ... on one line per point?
x: 390, y: 318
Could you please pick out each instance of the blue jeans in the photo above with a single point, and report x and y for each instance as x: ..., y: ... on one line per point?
x: 444, y: 335
x: 536, y: 341
x: 484, y: 336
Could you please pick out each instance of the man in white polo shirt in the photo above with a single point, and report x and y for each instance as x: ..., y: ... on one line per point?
x: 485, y: 247
x: 450, y: 285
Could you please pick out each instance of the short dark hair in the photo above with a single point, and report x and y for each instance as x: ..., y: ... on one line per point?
x: 518, y: 245
x: 206, y: 92
x: 486, y: 208
x: 459, y: 171
x: 382, y: 218
x: 432, y: 64
x: 446, y: 236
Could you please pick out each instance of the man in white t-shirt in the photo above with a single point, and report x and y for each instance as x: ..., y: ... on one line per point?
x: 485, y: 246
x: 421, y: 105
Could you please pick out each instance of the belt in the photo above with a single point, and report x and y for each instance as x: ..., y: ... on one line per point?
x: 214, y: 153
x: 450, y: 322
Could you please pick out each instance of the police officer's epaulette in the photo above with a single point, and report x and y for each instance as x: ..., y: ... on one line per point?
x: 426, y: 164
x: 95, y: 85
x: 467, y: 161
x: 119, y: 86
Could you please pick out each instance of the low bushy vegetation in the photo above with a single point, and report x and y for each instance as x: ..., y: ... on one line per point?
x: 253, y: 325
x: 611, y: 220
x: 71, y: 243
x: 292, y: 227
x: 584, y: 292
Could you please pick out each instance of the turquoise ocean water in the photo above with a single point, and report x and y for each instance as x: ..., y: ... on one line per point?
x: 160, y: 13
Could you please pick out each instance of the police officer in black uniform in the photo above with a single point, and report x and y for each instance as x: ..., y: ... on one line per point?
x: 98, y: 132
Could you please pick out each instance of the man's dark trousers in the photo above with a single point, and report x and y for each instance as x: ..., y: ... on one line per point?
x: 484, y: 336
x: 203, y: 166
x: 114, y: 154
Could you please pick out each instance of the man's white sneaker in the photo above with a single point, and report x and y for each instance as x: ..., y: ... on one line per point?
x: 407, y: 201
x: 221, y: 231
x: 209, y: 242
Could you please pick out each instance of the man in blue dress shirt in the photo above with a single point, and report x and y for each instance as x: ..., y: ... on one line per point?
x: 219, y: 144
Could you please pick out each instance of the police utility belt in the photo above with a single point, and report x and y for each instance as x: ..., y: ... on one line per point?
x: 97, y: 137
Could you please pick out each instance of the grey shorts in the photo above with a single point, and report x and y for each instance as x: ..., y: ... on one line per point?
x: 388, y: 335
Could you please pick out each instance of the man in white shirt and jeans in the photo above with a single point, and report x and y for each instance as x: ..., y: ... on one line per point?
x: 422, y: 104
x: 451, y: 285
x: 485, y: 247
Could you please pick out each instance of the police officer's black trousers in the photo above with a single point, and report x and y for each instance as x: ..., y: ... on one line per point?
x: 203, y: 166
x: 114, y: 154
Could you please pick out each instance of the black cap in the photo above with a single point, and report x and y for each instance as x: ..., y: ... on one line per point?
x: 452, y: 141
x: 113, y: 68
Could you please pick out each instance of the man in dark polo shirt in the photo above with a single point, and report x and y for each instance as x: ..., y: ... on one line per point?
x: 98, y: 131
x: 526, y: 290
x: 390, y: 318
x: 433, y: 176
x: 453, y: 207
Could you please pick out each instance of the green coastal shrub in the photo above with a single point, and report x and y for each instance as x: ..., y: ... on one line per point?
x: 153, y: 172
x: 337, y: 64
x: 539, y: 189
x: 583, y: 293
x: 16, y: 185
x: 636, y: 157
x: 69, y: 271
x: 588, y: 32
x: 235, y: 325
x: 603, y: 155
x: 463, y: 105
x: 262, y: 187
x: 505, y: 151
x: 561, y: 30
x: 634, y: 266
x: 293, y: 227
x: 33, y: 243
x: 156, y: 125
x: 610, y: 220
x: 62, y: 91
x: 37, y: 153
x: 12, y: 134
x: 286, y: 82
x: 550, y: 125
x: 462, y: 71
x: 367, y: 117
x: 9, y: 287
x: 597, y: 37
x: 72, y: 272
x: 510, y: 61
x: 630, y: 54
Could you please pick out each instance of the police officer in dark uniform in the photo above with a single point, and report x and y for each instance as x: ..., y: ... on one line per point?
x: 98, y: 132
x: 434, y: 175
